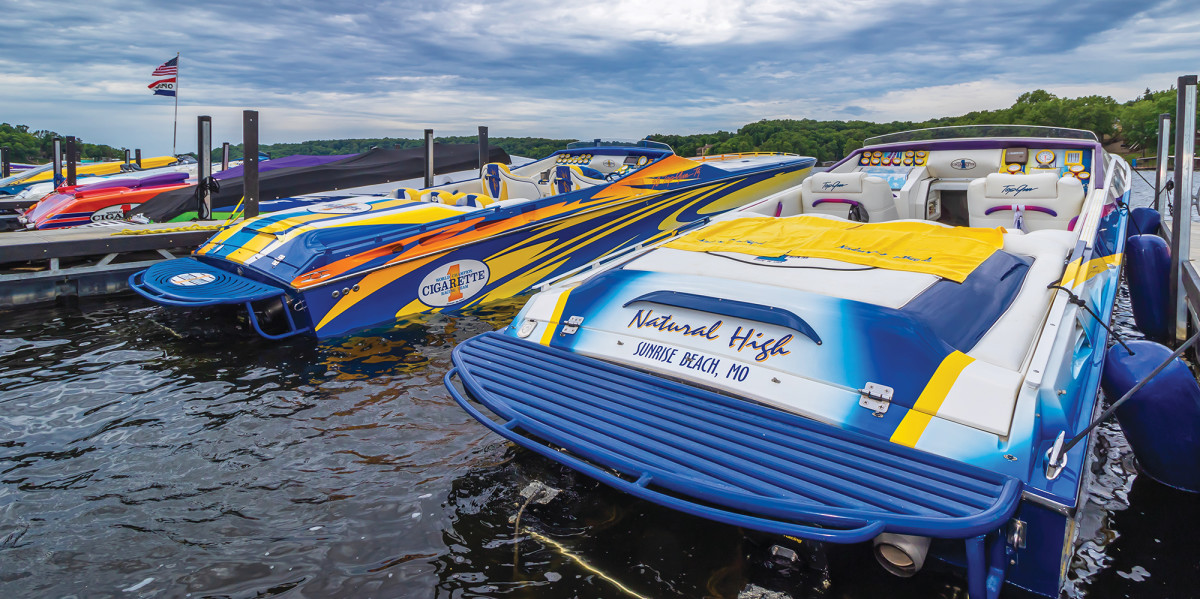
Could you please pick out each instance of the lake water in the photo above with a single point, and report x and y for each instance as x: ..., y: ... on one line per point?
x: 147, y: 453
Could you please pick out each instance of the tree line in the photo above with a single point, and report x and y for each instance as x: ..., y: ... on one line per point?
x: 1133, y: 123
x: 38, y: 146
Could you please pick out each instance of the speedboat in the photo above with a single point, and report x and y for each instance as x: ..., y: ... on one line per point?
x: 891, y: 352
x: 104, y: 198
x: 16, y: 183
x: 335, y: 267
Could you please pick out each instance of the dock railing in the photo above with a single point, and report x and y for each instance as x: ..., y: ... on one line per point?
x: 1177, y: 212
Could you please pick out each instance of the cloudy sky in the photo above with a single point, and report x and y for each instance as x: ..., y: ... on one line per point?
x: 621, y: 68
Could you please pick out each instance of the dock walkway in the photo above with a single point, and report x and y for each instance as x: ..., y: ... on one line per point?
x: 43, y: 266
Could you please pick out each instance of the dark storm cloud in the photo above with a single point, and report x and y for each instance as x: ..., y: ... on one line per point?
x: 674, y: 64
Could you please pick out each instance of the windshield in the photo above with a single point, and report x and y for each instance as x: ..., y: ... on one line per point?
x: 976, y: 131
x: 25, y: 174
x: 600, y: 143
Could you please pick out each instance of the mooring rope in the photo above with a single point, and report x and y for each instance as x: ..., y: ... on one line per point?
x: 192, y: 227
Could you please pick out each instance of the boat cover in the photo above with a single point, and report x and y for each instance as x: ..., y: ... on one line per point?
x: 948, y: 252
x: 718, y: 457
x: 294, y: 161
x: 369, y: 168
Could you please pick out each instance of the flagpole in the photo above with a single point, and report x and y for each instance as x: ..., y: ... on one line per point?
x: 175, y: 125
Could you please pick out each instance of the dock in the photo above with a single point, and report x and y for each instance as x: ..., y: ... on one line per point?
x: 44, y: 266
x: 1174, y: 205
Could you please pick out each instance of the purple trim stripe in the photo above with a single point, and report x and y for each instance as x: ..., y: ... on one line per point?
x: 1013, y: 207
x: 836, y: 201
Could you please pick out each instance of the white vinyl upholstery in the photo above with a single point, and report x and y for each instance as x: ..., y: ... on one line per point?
x: 1010, y: 340
x: 1045, y: 200
x: 830, y: 193
x: 500, y: 184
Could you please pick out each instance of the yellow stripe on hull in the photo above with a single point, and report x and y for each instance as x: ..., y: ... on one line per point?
x: 926, y: 407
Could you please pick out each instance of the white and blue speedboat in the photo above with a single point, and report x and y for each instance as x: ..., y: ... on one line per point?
x: 891, y: 352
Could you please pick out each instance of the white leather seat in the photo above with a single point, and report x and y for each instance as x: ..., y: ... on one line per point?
x: 1044, y: 200
x: 500, y: 184
x: 837, y: 194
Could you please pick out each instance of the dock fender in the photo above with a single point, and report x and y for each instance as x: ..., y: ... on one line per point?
x: 1143, y: 221
x: 1162, y: 420
x: 1147, y: 264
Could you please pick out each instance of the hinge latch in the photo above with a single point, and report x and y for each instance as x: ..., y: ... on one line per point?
x: 875, y: 397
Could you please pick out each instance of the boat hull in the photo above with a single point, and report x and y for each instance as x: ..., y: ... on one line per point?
x: 480, y: 257
x: 812, y: 352
x: 503, y: 265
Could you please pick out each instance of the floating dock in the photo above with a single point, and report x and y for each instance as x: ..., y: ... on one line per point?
x: 43, y: 266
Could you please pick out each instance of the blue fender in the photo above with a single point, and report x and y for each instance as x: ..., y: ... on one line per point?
x: 1143, y: 221
x: 1162, y: 420
x: 1147, y: 264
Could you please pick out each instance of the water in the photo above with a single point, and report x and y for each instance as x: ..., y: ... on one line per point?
x: 145, y: 453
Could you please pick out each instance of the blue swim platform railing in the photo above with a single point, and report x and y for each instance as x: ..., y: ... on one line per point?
x: 210, y: 286
x: 730, y: 460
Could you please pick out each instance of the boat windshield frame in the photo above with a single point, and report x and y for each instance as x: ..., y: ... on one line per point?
x: 982, y: 131
x: 609, y: 143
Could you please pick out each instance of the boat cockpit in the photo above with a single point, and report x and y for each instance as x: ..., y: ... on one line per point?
x: 582, y: 164
x: 1019, y: 183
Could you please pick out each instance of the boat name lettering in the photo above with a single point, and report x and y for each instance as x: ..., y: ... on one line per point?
x: 454, y: 282
x: 1007, y: 189
x: 664, y: 323
x: 701, y: 362
x: 655, y: 351
x: 115, y: 212
x: 681, y: 177
x: 884, y: 254
x: 766, y: 347
x: 448, y: 283
x: 832, y: 185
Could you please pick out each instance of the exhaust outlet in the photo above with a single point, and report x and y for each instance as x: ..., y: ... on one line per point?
x: 902, y: 555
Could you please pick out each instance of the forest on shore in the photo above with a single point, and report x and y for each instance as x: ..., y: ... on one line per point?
x: 1134, y: 124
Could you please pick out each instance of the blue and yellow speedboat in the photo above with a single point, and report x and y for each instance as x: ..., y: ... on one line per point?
x: 336, y: 267
x: 892, y: 352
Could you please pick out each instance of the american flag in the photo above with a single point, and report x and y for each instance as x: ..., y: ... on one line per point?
x: 167, y: 69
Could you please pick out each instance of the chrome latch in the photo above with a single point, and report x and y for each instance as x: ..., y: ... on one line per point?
x: 1056, y: 459
x: 875, y: 397
x: 572, y: 325
x: 1016, y: 533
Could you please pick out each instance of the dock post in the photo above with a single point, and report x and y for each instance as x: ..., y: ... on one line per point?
x: 1181, y: 222
x: 72, y: 156
x: 56, y: 149
x: 250, y: 162
x: 5, y: 162
x: 1160, y: 167
x: 137, y: 157
x: 484, y: 150
x: 225, y: 156
x: 429, y: 158
x: 204, y: 166
x: 126, y: 155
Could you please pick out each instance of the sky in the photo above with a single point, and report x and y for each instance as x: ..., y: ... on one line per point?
x: 329, y: 69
